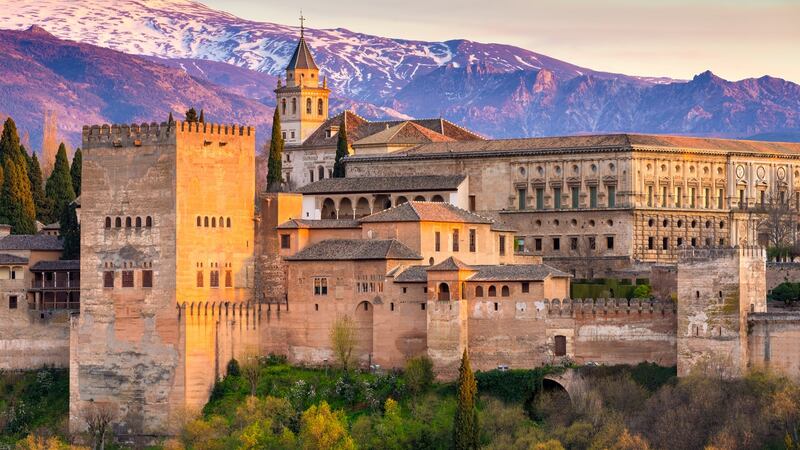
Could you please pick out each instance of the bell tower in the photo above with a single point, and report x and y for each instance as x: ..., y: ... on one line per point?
x: 303, y: 100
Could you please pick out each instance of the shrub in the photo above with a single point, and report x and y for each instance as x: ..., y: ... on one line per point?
x: 641, y: 291
x: 419, y: 374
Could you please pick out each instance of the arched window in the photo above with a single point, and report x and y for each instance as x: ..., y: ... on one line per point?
x: 228, y: 222
x: 199, y: 221
x: 108, y: 222
x: 128, y: 222
x: 213, y: 222
x: 505, y: 292
x: 308, y: 105
x: 444, y: 292
x: 138, y: 222
x: 148, y: 222
x: 419, y: 198
x: 118, y: 222
x: 294, y: 106
x: 437, y: 198
x: 321, y: 172
x: 221, y: 222
x: 479, y: 291
x: 492, y: 291
x: 400, y: 200
x: 319, y: 107
x: 283, y: 106
x: 205, y: 222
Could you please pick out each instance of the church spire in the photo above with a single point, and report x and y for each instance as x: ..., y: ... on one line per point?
x: 302, y: 24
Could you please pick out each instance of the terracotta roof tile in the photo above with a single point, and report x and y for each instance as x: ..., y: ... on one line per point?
x: 426, y: 212
x: 30, y: 242
x: 449, y: 265
x: 6, y: 259
x: 69, y: 264
x: 321, y: 224
x: 367, y: 185
x: 355, y: 249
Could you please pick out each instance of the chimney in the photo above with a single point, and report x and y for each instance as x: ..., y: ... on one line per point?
x: 5, y: 230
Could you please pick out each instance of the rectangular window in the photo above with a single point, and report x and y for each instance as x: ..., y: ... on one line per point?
x: 560, y: 346
x: 610, y: 242
x: 147, y: 278
x: 437, y: 241
x: 663, y: 196
x: 320, y: 286
x: 537, y: 244
x: 199, y: 278
x: 612, y: 196
x: 651, y: 243
x: 678, y: 197
x: 763, y: 198
x: 502, y: 245
x: 213, y: 279
x: 692, y: 197
x: 593, y: 196
x: 721, y: 242
x: 472, y: 203
x: 680, y: 242
x: 592, y: 243
x: 519, y: 244
x: 539, y: 198
x: 665, y: 243
x: 741, y: 199
x: 649, y: 195
x: 228, y: 279
x: 556, y: 198
x: 522, y: 201
x: 127, y: 278
x: 556, y: 244
x: 108, y: 279
x: 694, y: 242
x: 12, y: 302
x: 706, y: 198
x: 526, y: 287
x: 573, y: 243
x: 472, y: 241
x: 455, y: 240
x: 286, y: 241
x: 576, y: 192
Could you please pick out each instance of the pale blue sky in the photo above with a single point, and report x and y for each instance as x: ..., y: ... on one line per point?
x: 678, y: 38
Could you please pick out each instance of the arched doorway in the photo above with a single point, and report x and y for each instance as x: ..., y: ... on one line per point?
x: 363, y: 322
x: 345, y: 209
x: 551, y: 401
x: 362, y: 208
x: 444, y: 292
x: 328, y: 209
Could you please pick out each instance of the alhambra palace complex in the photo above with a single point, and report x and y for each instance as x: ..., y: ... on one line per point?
x: 436, y: 241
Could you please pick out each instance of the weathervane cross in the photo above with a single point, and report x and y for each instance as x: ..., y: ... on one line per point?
x: 302, y: 23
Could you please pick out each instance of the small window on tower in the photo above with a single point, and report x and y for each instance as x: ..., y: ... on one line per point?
x: 127, y: 278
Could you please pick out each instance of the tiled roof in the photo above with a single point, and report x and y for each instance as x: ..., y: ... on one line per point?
x: 30, y: 242
x: 408, y: 133
x: 323, y: 223
x: 448, y: 265
x: 69, y: 264
x: 354, y: 249
x: 302, y: 57
x: 413, y: 274
x: 603, y: 142
x: 426, y: 212
x: 359, y: 128
x: 6, y: 259
x: 413, y: 183
x: 515, y: 272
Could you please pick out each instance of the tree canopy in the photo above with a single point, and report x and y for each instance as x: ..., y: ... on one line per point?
x: 59, y: 186
x: 274, y: 163
x: 466, y: 434
x: 75, y: 171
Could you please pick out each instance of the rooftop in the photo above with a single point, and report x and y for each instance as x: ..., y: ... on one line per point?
x: 302, y: 57
x: 41, y: 242
x: 7, y: 260
x: 497, y: 273
x: 404, y: 133
x: 355, y: 249
x: 448, y: 265
x: 292, y: 224
x: 412, y: 183
x: 426, y: 212
x: 46, y: 266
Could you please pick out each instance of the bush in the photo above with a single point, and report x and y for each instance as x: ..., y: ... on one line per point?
x: 787, y: 293
x: 419, y: 374
x: 641, y: 291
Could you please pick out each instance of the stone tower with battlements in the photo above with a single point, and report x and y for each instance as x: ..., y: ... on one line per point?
x: 167, y: 220
x: 303, y: 100
x: 717, y: 289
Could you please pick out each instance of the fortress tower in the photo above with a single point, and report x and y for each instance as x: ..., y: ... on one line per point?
x: 167, y: 221
x: 303, y: 101
x: 717, y: 289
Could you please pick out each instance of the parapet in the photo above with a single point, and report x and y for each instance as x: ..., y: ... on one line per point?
x: 689, y: 254
x: 576, y: 306
x: 136, y: 135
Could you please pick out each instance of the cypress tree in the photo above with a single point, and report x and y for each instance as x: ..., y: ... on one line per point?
x: 465, y: 427
x: 170, y: 120
x: 202, y: 118
x: 75, y: 171
x: 59, y: 185
x: 70, y: 233
x: 341, y: 151
x: 40, y: 201
x: 16, y: 203
x: 274, y: 177
x: 191, y: 115
x: 9, y: 144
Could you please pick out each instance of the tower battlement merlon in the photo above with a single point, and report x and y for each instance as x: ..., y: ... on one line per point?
x: 699, y: 254
x: 124, y: 135
x: 217, y: 129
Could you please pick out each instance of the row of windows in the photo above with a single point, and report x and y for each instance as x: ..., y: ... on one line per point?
x: 680, y: 223
x: 678, y: 200
x: 205, y: 222
x: 504, y: 291
x: 12, y: 273
x: 679, y: 242
x: 365, y: 287
x: 575, y: 191
x: 473, y: 242
x: 127, y: 278
x: 309, y: 106
x: 591, y: 242
x: 213, y: 279
x: 130, y: 222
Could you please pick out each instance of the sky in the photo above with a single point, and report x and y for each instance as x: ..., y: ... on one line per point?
x: 735, y: 39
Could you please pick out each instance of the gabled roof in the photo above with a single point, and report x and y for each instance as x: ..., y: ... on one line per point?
x: 413, y: 183
x: 403, y: 133
x: 412, y: 274
x: 292, y: 224
x: 42, y: 242
x: 515, y: 272
x: 426, y: 212
x: 68, y: 264
x: 6, y: 259
x: 450, y: 264
x: 355, y: 249
x: 302, y: 57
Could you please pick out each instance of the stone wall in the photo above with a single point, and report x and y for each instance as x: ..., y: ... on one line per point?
x: 772, y: 342
x: 33, y: 339
x: 781, y: 272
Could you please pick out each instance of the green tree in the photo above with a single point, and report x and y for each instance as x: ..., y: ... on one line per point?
x: 341, y: 152
x: 419, y: 374
x: 9, y: 144
x: 59, y: 186
x: 343, y: 340
x: 642, y: 291
x: 40, y: 200
x: 787, y: 293
x: 16, y: 203
x: 323, y: 429
x: 75, y: 171
x: 170, y: 120
x: 191, y: 115
x: 70, y: 233
x: 274, y: 177
x: 465, y: 426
